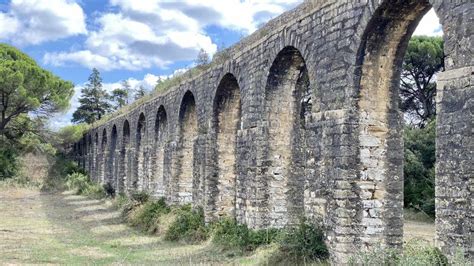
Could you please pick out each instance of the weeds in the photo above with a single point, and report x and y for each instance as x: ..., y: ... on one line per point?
x: 188, y: 226
x: 84, y: 186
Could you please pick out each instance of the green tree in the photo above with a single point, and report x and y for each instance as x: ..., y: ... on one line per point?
x: 140, y: 92
x: 423, y: 60
x: 94, y: 101
x: 120, y: 95
x: 27, y: 88
x: 419, y: 168
x: 202, y: 58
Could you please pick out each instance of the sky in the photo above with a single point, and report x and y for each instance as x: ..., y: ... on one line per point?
x: 134, y: 40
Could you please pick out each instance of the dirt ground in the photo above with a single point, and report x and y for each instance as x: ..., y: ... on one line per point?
x: 42, y: 228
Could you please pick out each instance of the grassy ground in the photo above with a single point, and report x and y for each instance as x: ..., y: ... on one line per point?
x: 63, y: 228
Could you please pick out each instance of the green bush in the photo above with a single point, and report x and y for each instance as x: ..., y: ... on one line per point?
x: 230, y: 235
x: 415, y: 252
x: 149, y: 214
x: 8, y: 160
x: 188, y: 226
x: 304, y: 242
x: 419, y: 171
x: 84, y: 186
x: 140, y: 196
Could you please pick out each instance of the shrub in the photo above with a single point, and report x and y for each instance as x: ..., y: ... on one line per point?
x: 304, y: 242
x: 148, y: 215
x: 109, y: 189
x: 415, y: 252
x: 84, y: 186
x: 228, y: 234
x: 188, y: 226
x: 140, y: 196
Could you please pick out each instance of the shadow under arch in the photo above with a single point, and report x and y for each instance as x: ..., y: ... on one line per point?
x: 288, y: 101
x: 140, y: 156
x: 125, y: 163
x: 158, y: 172
x: 188, y: 132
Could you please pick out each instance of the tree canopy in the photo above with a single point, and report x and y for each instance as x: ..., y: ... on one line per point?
x: 25, y: 88
x: 94, y: 102
x: 424, y: 58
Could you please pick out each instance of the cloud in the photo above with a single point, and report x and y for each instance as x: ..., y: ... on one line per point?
x: 36, y: 21
x: 429, y: 25
x: 141, y: 34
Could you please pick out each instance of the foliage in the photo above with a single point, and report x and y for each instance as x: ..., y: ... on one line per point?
x: 26, y: 88
x: 415, y: 252
x: 189, y: 226
x: 202, y: 58
x: 119, y: 97
x: 419, y: 168
x: 304, y: 242
x: 93, y: 102
x: 71, y: 134
x: 140, y: 196
x: 8, y: 159
x: 229, y: 234
x: 84, y: 186
x: 140, y: 92
x: 423, y: 60
x: 148, y: 215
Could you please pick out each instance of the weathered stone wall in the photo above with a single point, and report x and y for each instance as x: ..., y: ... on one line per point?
x: 301, y: 118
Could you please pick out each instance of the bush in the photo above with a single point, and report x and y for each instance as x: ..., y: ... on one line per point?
x: 228, y: 234
x: 109, y: 189
x: 419, y: 171
x: 84, y: 186
x: 415, y: 252
x: 140, y: 197
x: 147, y: 217
x: 304, y: 242
x: 8, y: 161
x: 188, y: 226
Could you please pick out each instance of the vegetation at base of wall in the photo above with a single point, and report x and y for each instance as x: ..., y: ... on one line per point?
x: 230, y: 235
x: 189, y: 226
x: 419, y: 168
x: 147, y: 216
x: 84, y: 186
x: 415, y: 252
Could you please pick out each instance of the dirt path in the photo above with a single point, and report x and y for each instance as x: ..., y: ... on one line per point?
x: 40, y: 228
x: 69, y: 229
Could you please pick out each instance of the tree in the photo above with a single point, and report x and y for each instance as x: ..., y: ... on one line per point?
x: 202, y: 58
x: 121, y: 95
x: 93, y: 101
x: 140, y: 92
x: 423, y: 60
x: 26, y: 88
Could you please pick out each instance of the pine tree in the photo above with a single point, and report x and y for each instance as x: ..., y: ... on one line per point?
x: 140, y: 92
x: 121, y: 96
x: 202, y: 58
x: 94, y: 103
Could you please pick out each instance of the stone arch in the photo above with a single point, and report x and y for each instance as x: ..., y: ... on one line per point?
x: 381, y: 154
x: 113, y: 174
x: 161, y: 133
x: 188, y: 131
x: 90, y: 155
x: 103, y: 157
x: 96, y: 157
x: 124, y: 178
x: 287, y: 104
x: 139, y: 161
x: 226, y: 121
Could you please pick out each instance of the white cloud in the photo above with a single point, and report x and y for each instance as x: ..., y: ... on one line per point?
x: 145, y: 33
x: 38, y: 21
x: 429, y: 25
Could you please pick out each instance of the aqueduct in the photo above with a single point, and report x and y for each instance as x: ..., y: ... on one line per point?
x: 301, y: 118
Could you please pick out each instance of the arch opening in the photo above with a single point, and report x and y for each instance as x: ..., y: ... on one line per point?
x: 161, y: 132
x: 140, y: 156
x: 288, y: 102
x: 125, y: 163
x: 113, y: 174
x: 103, y: 157
x: 226, y: 120
x: 187, y: 136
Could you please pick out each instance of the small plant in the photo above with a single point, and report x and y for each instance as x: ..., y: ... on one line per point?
x: 229, y: 234
x: 84, y: 186
x: 304, y: 242
x: 140, y: 196
x: 147, y: 217
x: 188, y: 226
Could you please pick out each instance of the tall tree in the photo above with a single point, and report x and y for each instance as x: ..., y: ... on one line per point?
x: 202, y: 58
x: 121, y: 95
x: 423, y: 60
x: 26, y: 88
x: 94, y: 101
x: 140, y: 92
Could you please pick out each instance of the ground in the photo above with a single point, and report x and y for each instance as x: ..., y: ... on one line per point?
x: 62, y: 228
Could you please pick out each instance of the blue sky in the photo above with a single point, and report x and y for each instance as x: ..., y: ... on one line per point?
x: 136, y: 40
